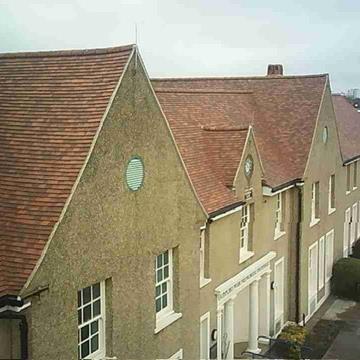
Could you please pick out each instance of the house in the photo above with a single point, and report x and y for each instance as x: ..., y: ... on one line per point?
x: 166, y: 219
x: 267, y: 150
x: 99, y: 222
x: 348, y: 124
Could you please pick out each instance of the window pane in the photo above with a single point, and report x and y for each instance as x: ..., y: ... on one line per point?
x: 166, y: 257
x: 164, y: 300
x: 159, y: 275
x: 86, y: 295
x: 85, y: 349
x: 96, y: 308
x: 166, y: 272
x: 79, y: 298
x: 94, y: 327
x: 159, y: 261
x: 96, y: 291
x: 87, y: 313
x: 158, y: 305
x: 164, y: 287
x: 157, y: 290
x: 84, y: 332
x: 94, y: 343
x: 79, y: 317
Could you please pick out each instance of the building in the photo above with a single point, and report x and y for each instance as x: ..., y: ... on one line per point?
x: 94, y: 202
x: 166, y: 219
x: 349, y: 129
x: 267, y: 150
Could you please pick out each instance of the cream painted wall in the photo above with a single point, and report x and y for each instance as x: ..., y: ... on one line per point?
x: 112, y: 233
x: 224, y: 239
x: 324, y: 160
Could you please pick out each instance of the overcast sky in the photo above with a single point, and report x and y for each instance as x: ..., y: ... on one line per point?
x: 199, y: 37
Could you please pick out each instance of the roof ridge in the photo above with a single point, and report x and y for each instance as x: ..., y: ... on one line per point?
x: 70, y: 52
x: 203, y: 91
x: 255, y: 77
x: 224, y: 128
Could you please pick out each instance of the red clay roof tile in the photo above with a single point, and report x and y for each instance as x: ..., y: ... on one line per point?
x: 348, y: 123
x: 51, y: 105
x: 281, y: 109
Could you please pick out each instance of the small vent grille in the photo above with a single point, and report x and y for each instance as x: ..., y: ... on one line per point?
x: 135, y: 174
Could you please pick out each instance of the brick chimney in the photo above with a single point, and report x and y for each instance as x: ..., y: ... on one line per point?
x: 275, y: 70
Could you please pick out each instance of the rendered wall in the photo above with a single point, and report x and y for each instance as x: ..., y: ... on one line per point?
x: 224, y: 241
x: 109, y: 232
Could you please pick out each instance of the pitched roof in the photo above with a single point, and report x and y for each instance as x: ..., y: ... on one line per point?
x: 210, y: 130
x: 282, y: 110
x: 348, y: 124
x: 51, y: 105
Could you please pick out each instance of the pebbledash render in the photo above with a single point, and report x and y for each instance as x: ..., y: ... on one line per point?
x: 166, y: 219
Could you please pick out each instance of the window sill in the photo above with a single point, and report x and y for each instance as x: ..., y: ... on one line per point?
x: 332, y: 211
x: 279, y: 234
x: 204, y: 282
x: 314, y: 222
x: 348, y: 192
x: 166, y: 320
x: 246, y: 255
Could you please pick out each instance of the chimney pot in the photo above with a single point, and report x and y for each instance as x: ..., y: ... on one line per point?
x: 275, y: 69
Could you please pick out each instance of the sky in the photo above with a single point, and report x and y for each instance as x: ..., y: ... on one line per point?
x: 199, y: 37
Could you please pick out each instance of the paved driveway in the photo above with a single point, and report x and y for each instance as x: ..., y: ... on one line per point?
x: 346, y: 345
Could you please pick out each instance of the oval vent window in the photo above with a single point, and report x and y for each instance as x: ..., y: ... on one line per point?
x: 325, y: 135
x: 135, y: 174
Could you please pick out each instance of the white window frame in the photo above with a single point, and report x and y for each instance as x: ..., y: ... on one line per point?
x: 332, y: 184
x: 179, y: 355
x: 245, y: 254
x: 203, y: 280
x: 279, y: 293
x: 279, y: 213
x: 313, y: 247
x: 166, y: 315
x: 205, y: 317
x: 329, y: 254
x: 355, y: 173
x: 168, y: 281
x: 348, y: 179
x: 347, y: 232
x: 314, y: 198
x: 321, y: 265
x: 101, y: 352
x: 353, y: 226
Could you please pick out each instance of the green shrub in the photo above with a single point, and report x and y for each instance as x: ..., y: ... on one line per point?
x: 356, y: 249
x: 296, y: 334
x: 346, y: 278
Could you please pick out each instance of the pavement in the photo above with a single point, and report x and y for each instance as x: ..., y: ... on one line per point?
x: 346, y: 345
